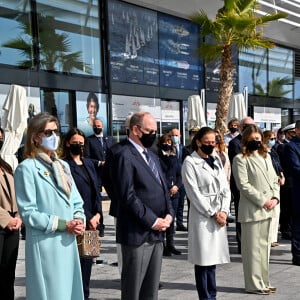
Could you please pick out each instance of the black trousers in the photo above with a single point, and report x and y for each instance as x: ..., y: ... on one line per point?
x: 170, y: 232
x: 206, y: 282
x: 86, y: 271
x: 180, y: 207
x: 9, y: 246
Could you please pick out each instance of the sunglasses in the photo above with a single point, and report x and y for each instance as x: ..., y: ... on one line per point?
x: 49, y: 132
x: 272, y: 139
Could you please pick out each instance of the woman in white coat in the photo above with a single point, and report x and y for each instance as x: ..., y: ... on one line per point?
x: 207, y: 188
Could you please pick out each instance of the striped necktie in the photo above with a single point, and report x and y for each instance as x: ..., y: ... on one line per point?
x: 152, y: 166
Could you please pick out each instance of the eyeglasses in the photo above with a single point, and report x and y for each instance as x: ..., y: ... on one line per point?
x: 272, y: 139
x: 150, y: 132
x: 49, y: 132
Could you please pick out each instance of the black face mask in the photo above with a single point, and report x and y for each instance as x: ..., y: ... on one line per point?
x: 97, y: 130
x: 76, y: 149
x: 207, y: 149
x: 1, y: 144
x: 233, y: 129
x: 253, y: 145
x: 148, y: 139
x: 166, y: 147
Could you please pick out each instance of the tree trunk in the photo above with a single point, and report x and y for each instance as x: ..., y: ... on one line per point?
x: 225, y: 90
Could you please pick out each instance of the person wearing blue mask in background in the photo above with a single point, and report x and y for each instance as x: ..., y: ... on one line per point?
x: 178, y: 147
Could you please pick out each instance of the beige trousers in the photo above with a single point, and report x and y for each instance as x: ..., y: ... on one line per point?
x: 255, y: 246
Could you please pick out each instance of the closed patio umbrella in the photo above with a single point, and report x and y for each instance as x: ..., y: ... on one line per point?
x: 237, y: 107
x: 14, y: 122
x: 196, y: 116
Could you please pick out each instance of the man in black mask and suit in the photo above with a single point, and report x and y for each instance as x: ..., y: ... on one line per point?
x: 144, y: 210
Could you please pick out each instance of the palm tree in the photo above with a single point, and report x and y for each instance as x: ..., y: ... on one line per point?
x: 54, y: 51
x: 236, y: 24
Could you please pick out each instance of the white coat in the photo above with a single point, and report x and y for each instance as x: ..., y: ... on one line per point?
x: 208, y: 192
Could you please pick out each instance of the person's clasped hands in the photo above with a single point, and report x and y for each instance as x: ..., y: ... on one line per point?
x: 14, y: 223
x: 221, y: 218
x: 163, y: 223
x: 75, y: 227
x: 271, y: 203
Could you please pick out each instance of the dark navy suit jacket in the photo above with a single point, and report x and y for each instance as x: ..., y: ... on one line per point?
x: 142, y: 199
x: 108, y: 180
x: 94, y: 148
x: 90, y: 206
x: 292, y: 159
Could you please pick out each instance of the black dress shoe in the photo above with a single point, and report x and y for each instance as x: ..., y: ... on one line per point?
x: 173, y: 250
x: 181, y: 228
x: 296, y: 262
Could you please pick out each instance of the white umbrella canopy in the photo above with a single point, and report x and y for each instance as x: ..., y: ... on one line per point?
x: 14, y: 122
x: 237, y: 107
x: 196, y: 116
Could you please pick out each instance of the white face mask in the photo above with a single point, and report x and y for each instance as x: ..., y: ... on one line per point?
x: 50, y: 143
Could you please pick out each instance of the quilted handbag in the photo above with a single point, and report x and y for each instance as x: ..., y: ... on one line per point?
x: 89, y: 244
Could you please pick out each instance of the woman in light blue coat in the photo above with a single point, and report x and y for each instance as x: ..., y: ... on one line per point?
x: 52, y: 210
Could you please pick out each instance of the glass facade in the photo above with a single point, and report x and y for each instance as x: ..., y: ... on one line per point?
x: 57, y: 46
x: 267, y: 72
x: 69, y: 36
x: 16, y: 46
x: 253, y: 70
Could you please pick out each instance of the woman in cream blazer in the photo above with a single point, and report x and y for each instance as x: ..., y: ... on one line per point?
x: 259, y: 194
x: 207, y: 188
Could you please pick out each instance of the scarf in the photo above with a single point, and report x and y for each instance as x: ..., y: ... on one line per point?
x: 60, y: 172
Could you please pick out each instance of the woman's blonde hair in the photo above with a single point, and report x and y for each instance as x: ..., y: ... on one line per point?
x: 36, y: 125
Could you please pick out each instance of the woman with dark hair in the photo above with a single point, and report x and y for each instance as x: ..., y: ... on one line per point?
x: 207, y: 188
x: 259, y: 195
x: 52, y: 210
x: 171, y: 169
x: 86, y: 179
x: 10, y: 223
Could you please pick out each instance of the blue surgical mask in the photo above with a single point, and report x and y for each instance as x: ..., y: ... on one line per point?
x: 271, y: 143
x: 175, y: 139
x: 50, y: 143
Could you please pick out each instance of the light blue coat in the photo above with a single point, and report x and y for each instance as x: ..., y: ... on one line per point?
x: 52, y: 261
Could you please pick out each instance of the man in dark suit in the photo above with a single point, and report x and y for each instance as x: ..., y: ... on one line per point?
x: 144, y: 210
x: 292, y: 158
x: 234, y: 148
x: 286, y: 191
x: 178, y: 147
x: 96, y: 148
x: 97, y: 144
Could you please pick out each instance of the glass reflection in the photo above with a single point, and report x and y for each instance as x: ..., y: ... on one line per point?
x: 69, y: 36
x: 16, y: 46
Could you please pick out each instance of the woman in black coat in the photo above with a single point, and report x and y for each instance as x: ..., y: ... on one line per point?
x: 171, y: 169
x: 85, y: 176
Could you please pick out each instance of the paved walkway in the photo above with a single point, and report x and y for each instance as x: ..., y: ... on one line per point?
x: 178, y: 274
